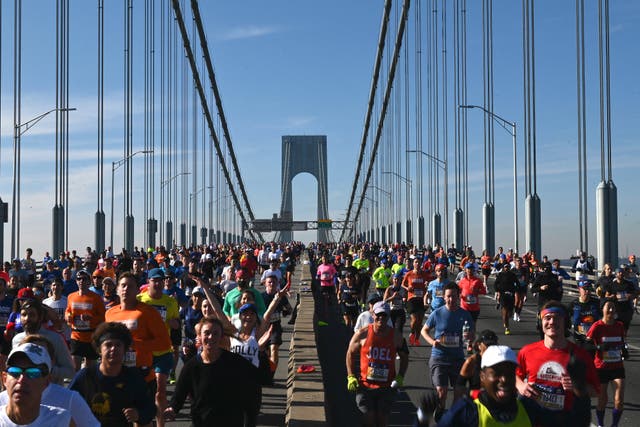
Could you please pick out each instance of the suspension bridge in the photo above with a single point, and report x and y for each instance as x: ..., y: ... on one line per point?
x: 117, y: 131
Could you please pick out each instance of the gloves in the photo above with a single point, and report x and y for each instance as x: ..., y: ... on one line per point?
x: 398, y: 381
x: 352, y: 383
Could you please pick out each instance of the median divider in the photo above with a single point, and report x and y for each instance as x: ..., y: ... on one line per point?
x: 305, y: 390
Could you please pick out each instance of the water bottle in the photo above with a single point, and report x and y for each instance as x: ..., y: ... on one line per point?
x: 466, y: 335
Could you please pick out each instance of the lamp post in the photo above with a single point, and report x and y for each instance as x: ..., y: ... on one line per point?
x: 441, y: 163
x: 505, y: 124
x: 410, y: 184
x: 19, y: 130
x: 115, y: 166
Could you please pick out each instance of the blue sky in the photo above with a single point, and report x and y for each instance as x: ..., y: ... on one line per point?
x: 304, y: 67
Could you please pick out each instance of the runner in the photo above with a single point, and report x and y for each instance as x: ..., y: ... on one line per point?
x: 375, y: 347
x: 395, y: 296
x: 448, y: 347
x: 85, y: 311
x: 585, y: 311
x: 117, y: 394
x: 622, y: 292
x: 435, y: 290
x: 348, y: 300
x: 470, y: 289
x: 415, y: 283
x: 469, y: 379
x: 522, y: 274
x: 146, y: 325
x: 506, y: 286
x: 543, y: 364
x: 212, y: 405
x: 608, y: 335
x: 382, y: 277
x: 163, y: 360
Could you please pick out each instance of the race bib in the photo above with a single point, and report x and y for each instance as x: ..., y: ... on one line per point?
x: 439, y: 293
x: 583, y: 328
x: 612, y: 356
x: 377, y: 373
x: 550, y: 397
x: 130, y: 359
x: 471, y: 299
x: 81, y: 325
x: 450, y: 340
x: 622, y: 296
x: 418, y: 292
x: 163, y: 312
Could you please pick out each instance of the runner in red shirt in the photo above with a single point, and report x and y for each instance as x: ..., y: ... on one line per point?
x: 470, y: 289
x: 609, y: 337
x: 542, y: 372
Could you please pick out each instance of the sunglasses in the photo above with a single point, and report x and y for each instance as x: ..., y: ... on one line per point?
x: 31, y: 373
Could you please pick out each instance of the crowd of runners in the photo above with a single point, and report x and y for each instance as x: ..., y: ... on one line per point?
x: 94, y: 338
x: 580, y: 354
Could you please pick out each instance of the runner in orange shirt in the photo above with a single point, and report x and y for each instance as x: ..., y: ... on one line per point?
x: 415, y: 282
x: 146, y: 325
x: 85, y: 311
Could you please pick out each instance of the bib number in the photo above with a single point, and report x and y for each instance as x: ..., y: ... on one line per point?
x: 612, y: 356
x: 377, y: 373
x: 471, y: 299
x: 130, y: 359
x: 450, y: 340
x: 81, y: 324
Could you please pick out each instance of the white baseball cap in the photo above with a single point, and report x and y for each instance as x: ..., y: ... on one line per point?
x: 497, y: 354
x: 37, y: 354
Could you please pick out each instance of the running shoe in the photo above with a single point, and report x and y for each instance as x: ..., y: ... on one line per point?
x: 412, y: 339
x: 172, y: 378
x: 515, y: 317
x: 507, y: 331
x: 322, y: 323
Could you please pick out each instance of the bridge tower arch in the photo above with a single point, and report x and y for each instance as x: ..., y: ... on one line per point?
x: 307, y: 153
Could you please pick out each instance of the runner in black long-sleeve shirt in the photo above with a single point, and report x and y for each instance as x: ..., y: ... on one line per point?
x: 222, y: 385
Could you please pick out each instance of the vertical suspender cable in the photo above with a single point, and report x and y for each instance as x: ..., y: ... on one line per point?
x: 17, y: 97
x: 418, y: 101
x: 101, y: 111
x: 387, y: 94
x: 372, y: 94
x: 445, y: 125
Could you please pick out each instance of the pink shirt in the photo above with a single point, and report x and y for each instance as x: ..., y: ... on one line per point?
x: 326, y: 273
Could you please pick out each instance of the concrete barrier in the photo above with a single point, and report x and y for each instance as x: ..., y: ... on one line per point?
x: 305, y: 391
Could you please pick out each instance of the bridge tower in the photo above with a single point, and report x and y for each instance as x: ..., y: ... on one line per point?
x: 306, y: 153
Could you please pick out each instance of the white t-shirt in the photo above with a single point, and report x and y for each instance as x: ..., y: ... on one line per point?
x: 60, y: 306
x: 365, y: 319
x: 49, y: 416
x: 60, y: 397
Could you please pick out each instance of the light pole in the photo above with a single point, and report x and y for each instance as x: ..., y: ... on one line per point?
x: 410, y: 184
x: 444, y: 166
x: 19, y: 130
x: 115, y: 166
x: 505, y: 124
